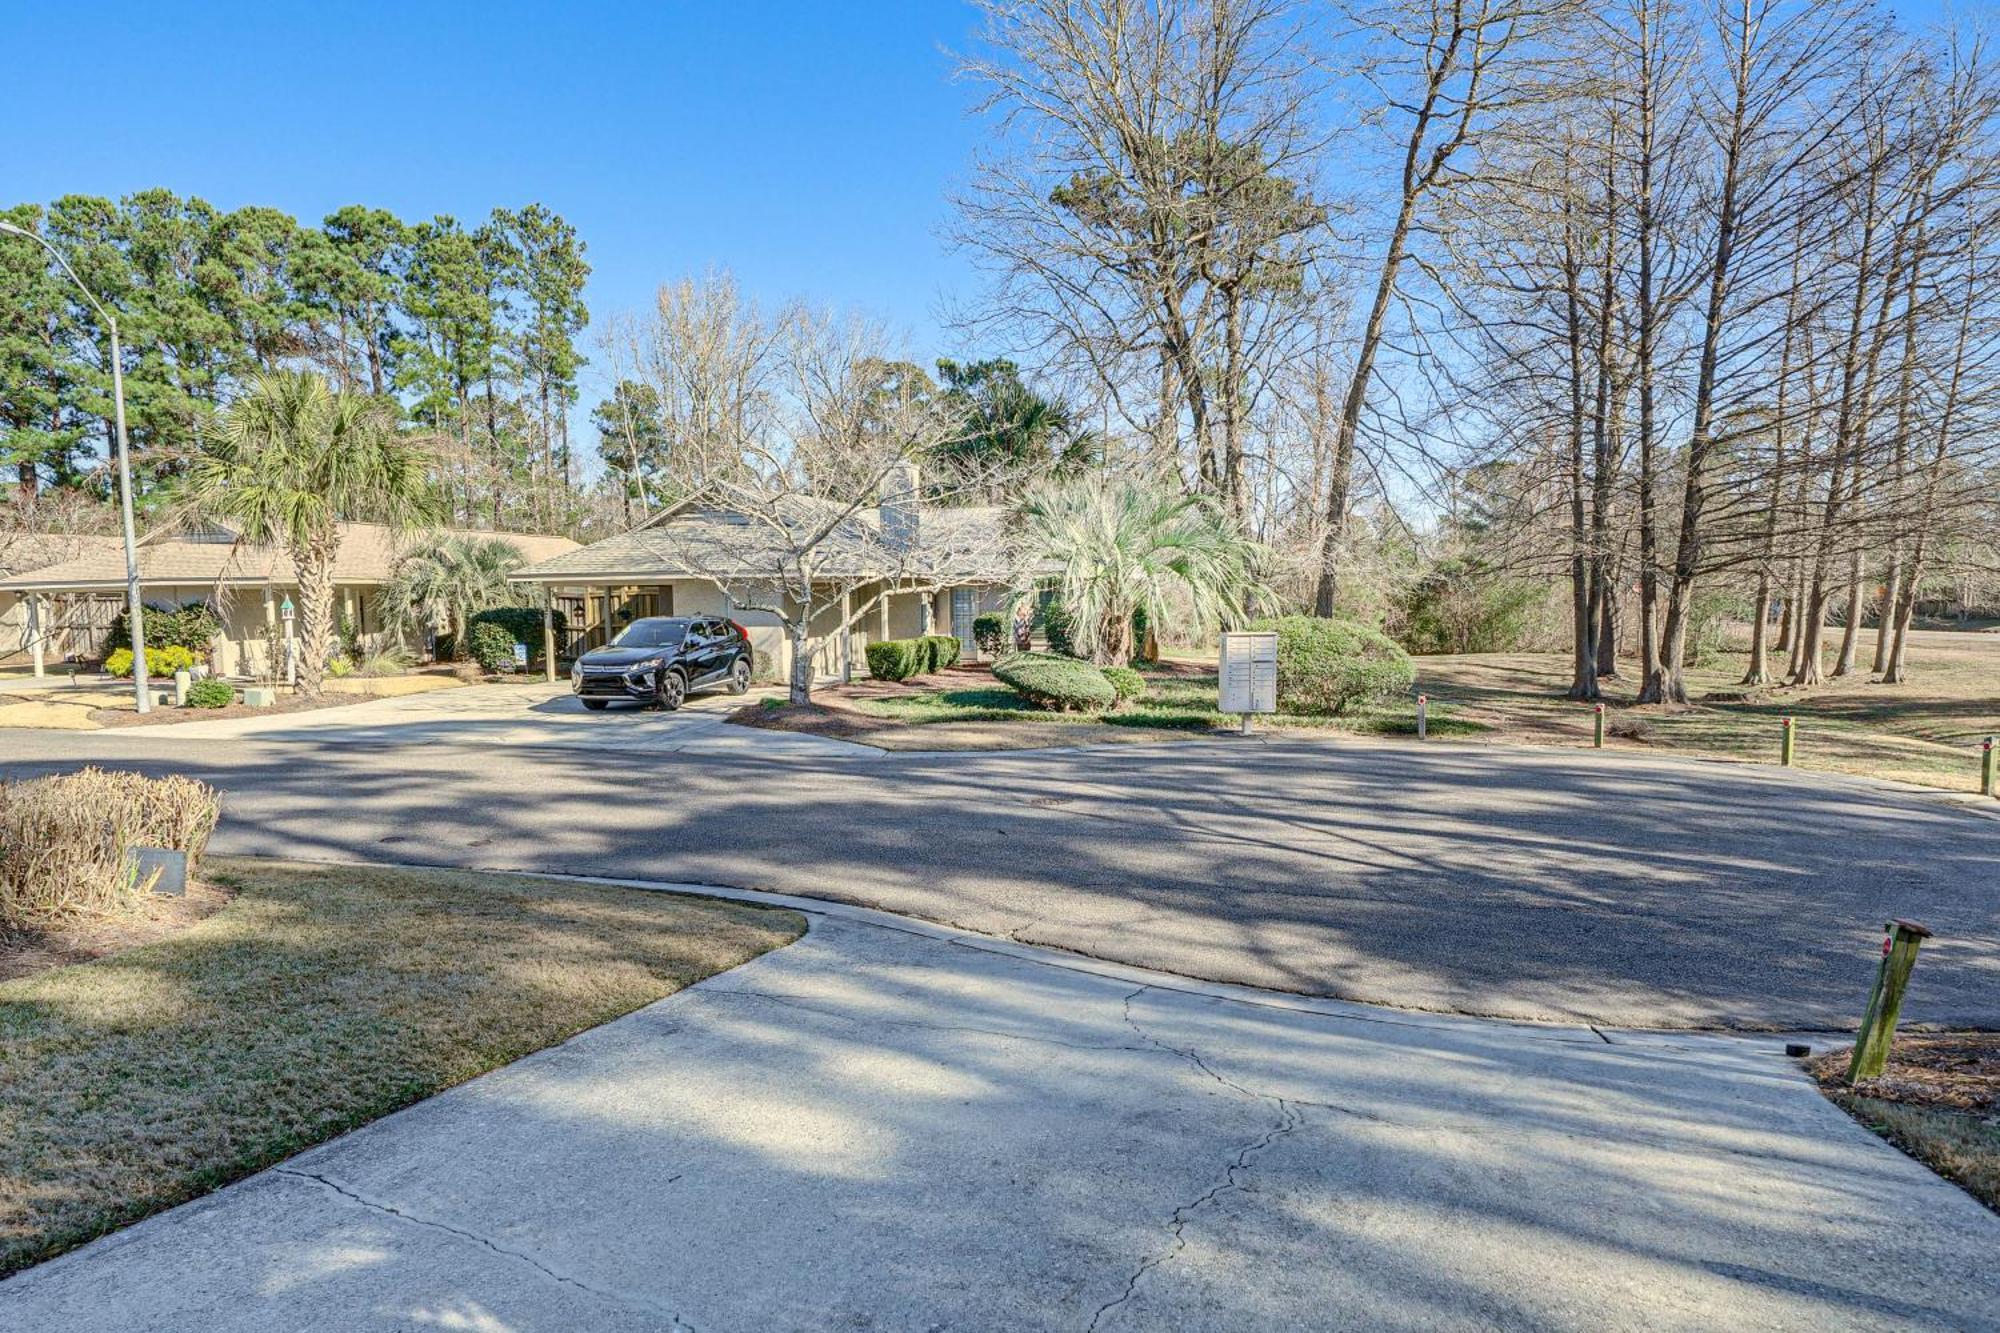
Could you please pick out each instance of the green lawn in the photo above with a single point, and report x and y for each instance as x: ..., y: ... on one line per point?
x: 1926, y: 732
x: 318, y: 1000
x: 1176, y: 699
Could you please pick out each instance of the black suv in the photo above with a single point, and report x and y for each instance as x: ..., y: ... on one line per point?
x: 659, y: 659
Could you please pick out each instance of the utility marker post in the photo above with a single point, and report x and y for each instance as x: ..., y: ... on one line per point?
x: 1598, y: 737
x: 1423, y: 715
x: 1989, y: 759
x: 1789, y: 744
x: 1885, y: 1001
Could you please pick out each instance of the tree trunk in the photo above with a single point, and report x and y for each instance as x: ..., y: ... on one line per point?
x: 1759, y: 672
x: 1608, y: 630
x: 802, y: 672
x: 1885, y: 616
x: 1845, y: 664
x: 313, y: 561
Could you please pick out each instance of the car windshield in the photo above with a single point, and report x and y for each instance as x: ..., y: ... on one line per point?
x: 651, y: 634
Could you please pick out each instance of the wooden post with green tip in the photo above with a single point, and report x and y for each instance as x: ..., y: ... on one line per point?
x: 1598, y: 738
x: 1885, y: 1001
x: 1989, y: 760
x: 1789, y: 744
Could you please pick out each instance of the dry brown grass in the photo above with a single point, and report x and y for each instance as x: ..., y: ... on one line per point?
x: 319, y: 999
x: 64, y: 840
x: 1925, y: 732
x: 1938, y: 1099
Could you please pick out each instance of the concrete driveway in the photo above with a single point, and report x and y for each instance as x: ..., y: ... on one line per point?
x: 889, y: 1126
x: 535, y: 716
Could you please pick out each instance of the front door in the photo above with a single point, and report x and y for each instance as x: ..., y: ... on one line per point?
x: 964, y: 607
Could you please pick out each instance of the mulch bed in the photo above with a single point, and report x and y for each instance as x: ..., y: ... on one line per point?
x: 161, y: 715
x: 1952, y: 1071
x: 832, y: 712
x: 25, y: 952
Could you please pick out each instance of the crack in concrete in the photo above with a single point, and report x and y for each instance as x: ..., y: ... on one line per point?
x: 1289, y: 1119
x: 355, y: 1197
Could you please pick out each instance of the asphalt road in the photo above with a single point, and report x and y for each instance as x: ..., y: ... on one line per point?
x: 1548, y: 885
x: 879, y: 1128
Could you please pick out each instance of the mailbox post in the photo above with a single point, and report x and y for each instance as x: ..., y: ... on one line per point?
x: 289, y: 615
x: 1246, y: 677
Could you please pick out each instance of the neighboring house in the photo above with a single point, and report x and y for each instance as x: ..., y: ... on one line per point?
x: 22, y: 553
x: 892, y: 570
x: 246, y: 583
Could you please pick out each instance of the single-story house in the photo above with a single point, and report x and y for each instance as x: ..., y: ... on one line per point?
x: 74, y: 600
x: 22, y: 553
x: 892, y: 570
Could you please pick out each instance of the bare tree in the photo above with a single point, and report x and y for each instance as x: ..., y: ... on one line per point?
x: 1152, y: 216
x: 1444, y: 68
x: 813, y: 511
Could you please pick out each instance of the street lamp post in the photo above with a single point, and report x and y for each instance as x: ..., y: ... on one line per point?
x: 136, y: 613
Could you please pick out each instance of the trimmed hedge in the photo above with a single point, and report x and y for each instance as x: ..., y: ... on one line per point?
x: 940, y: 651
x: 211, y: 693
x: 1326, y: 666
x: 1059, y: 627
x: 491, y: 646
x: 160, y: 662
x: 1129, y: 683
x: 993, y: 632
x: 192, y: 626
x: 899, y: 659
x: 1061, y: 684
x: 522, y: 623
x: 895, y: 659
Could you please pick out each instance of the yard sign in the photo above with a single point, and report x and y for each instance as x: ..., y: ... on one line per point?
x: 1246, y: 679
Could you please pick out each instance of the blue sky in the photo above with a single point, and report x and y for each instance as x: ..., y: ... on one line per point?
x: 806, y: 146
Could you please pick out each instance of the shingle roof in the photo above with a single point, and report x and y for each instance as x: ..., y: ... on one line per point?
x: 22, y: 552
x: 368, y: 553
x: 709, y: 540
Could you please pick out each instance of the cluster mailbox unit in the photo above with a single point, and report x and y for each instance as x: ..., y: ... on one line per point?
x: 1246, y: 679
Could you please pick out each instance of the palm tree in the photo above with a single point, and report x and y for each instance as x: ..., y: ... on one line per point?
x: 1127, y: 544
x: 450, y: 579
x: 293, y: 459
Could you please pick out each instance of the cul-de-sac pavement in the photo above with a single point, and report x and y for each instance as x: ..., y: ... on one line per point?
x: 1241, y: 1033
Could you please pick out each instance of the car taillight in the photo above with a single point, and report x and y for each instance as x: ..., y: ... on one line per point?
x: 741, y: 633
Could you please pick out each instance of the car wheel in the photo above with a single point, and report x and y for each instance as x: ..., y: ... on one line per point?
x: 673, y: 691
x: 739, y: 677
x: 595, y: 705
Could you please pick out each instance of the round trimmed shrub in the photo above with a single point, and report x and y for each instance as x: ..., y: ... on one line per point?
x: 1328, y: 666
x: 992, y: 632
x: 1060, y: 684
x: 896, y: 659
x: 492, y: 646
x: 160, y: 662
x: 211, y: 693
x: 1129, y: 683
